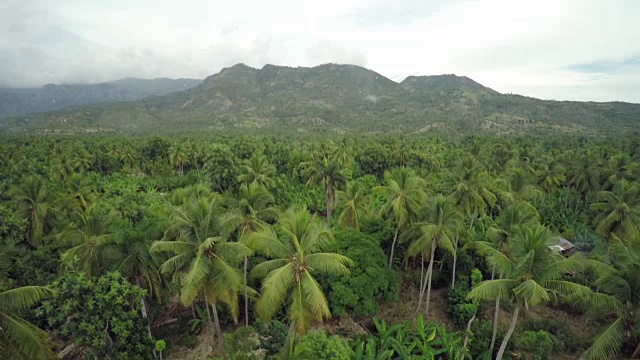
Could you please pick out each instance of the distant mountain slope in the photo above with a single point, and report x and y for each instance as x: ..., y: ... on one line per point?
x: 336, y: 99
x: 15, y: 102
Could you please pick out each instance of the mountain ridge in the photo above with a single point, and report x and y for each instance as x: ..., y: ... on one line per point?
x: 52, y: 97
x: 335, y: 98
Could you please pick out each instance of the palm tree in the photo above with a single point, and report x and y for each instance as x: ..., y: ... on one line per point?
x: 619, y: 211
x: 519, y: 187
x: 202, y: 253
x: 297, y: 255
x: 550, y: 176
x: 531, y: 274
x: 508, y: 222
x: 62, y: 169
x: 619, y: 299
x: 252, y: 211
x: 439, y: 225
x: 353, y: 201
x: 20, y: 339
x: 471, y: 195
x: 78, y: 196
x: 137, y: 263
x: 326, y: 171
x: 95, y: 246
x: 258, y: 170
x: 178, y: 158
x: 583, y: 177
x: 405, y: 193
x: 32, y: 200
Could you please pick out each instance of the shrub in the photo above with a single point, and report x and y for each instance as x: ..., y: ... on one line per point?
x: 460, y: 309
x: 273, y: 335
x: 243, y: 344
x: 317, y: 345
x: 370, y: 282
x: 539, y: 343
x: 480, y: 340
x: 102, y: 315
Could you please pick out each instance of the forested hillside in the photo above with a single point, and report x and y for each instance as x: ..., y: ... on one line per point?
x: 312, y: 247
x: 334, y: 99
x: 25, y: 101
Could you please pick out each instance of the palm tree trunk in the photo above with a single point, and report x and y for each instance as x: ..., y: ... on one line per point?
x: 429, y: 273
x: 393, y: 244
x: 143, y: 309
x: 494, y: 334
x: 327, y: 198
x: 246, y: 296
x: 455, y: 260
x: 214, y: 309
x: 466, y: 335
x: 422, y: 281
x: 209, y: 315
x: 512, y: 326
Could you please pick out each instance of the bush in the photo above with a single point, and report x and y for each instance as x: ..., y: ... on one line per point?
x: 102, y: 315
x: 243, y: 344
x: 460, y: 309
x: 539, y: 343
x: 273, y: 336
x: 316, y: 345
x: 370, y: 282
x: 480, y: 340
x: 557, y: 328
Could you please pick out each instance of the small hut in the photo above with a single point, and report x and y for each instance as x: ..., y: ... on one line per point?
x: 564, y: 246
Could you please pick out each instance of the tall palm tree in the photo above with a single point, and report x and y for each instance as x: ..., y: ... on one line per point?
x: 519, y: 186
x: 78, y: 196
x: 619, y: 299
x: 297, y: 256
x: 508, y: 222
x: 439, y: 225
x: 20, y: 339
x: 258, y: 170
x: 203, y: 255
x: 32, y: 199
x: 583, y: 177
x: 326, y: 171
x: 550, y: 177
x: 353, y: 202
x: 94, y: 237
x: 471, y: 195
x: 178, y: 158
x: 619, y: 211
x: 531, y: 274
x: 61, y: 169
x: 405, y: 194
x: 136, y: 261
x: 252, y: 210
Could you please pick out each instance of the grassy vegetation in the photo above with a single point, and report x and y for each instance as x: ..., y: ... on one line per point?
x: 255, y: 247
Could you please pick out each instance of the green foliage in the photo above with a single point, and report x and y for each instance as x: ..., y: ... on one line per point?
x: 317, y: 345
x: 458, y: 307
x: 406, y: 341
x: 273, y: 335
x: 370, y: 282
x: 539, y: 343
x: 243, y: 344
x: 102, y: 315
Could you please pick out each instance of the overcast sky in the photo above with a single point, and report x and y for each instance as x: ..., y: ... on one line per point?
x: 564, y: 50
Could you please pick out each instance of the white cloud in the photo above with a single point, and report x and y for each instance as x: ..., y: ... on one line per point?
x: 528, y: 47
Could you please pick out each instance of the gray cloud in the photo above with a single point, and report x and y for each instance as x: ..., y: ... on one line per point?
x: 606, y: 66
x: 544, y: 48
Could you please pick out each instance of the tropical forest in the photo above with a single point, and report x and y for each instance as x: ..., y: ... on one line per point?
x: 438, y: 245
